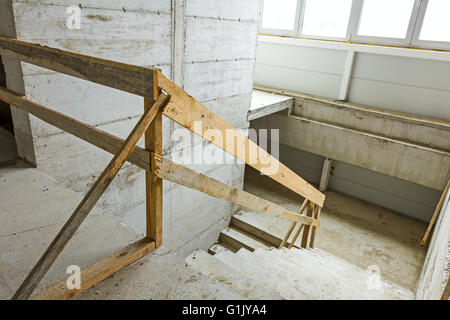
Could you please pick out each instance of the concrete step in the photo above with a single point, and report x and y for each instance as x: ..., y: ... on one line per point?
x: 258, y: 272
x: 324, y: 276
x: 269, y: 229
x: 223, y: 273
x: 238, y: 238
x: 219, y: 247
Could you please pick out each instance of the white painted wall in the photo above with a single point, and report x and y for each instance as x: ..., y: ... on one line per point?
x: 205, y: 46
x: 435, y: 273
x: 410, y: 85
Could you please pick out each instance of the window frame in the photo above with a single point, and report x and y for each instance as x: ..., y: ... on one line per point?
x: 411, y: 40
x: 282, y: 32
x: 427, y: 44
x: 355, y: 37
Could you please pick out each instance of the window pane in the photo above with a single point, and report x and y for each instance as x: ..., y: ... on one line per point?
x: 326, y: 18
x: 436, y: 24
x: 279, y: 15
x: 386, y: 18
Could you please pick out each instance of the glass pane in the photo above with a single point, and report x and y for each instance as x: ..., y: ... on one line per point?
x: 385, y: 18
x: 279, y: 15
x: 436, y: 24
x: 326, y: 18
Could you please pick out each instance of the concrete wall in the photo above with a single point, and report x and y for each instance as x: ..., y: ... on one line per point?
x: 398, y: 195
x: 435, y: 272
x: 205, y: 46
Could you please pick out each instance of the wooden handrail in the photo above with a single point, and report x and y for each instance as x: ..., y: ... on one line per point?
x: 117, y: 75
x: 164, y: 168
x: 183, y: 109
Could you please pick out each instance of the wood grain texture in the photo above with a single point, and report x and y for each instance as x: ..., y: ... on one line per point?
x: 179, y: 174
x: 153, y: 183
x: 288, y: 234
x: 185, y: 110
x: 121, y: 76
x: 305, y: 236
x: 142, y: 158
x: 88, y: 202
x: 99, y: 271
x: 300, y: 228
x: 314, y: 229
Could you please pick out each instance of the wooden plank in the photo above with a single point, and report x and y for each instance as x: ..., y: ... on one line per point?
x: 153, y: 183
x: 185, y: 110
x: 314, y: 229
x: 309, y: 213
x: 88, y: 202
x: 296, y: 236
x: 121, y: 76
x: 435, y: 215
x: 99, y: 271
x: 141, y: 157
x: 90, y: 134
x: 179, y: 174
x: 288, y: 234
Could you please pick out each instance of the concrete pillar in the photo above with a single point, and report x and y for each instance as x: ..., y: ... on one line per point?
x: 325, y: 174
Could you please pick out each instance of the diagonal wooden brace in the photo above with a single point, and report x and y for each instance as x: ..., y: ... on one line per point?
x: 88, y: 202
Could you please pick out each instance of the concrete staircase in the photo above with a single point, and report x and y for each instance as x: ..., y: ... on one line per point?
x: 246, y: 259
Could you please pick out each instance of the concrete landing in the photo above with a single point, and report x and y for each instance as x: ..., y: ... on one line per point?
x: 265, y: 103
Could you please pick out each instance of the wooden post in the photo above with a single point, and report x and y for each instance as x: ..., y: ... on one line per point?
x: 314, y: 229
x: 153, y: 183
x: 309, y: 213
x: 86, y: 205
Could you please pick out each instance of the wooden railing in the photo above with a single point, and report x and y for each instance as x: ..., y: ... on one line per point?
x: 161, y: 97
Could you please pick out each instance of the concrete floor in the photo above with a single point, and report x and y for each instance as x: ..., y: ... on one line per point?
x: 351, y: 229
x: 33, y: 208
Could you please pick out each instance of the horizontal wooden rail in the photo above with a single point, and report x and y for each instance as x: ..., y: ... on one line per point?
x: 185, y: 110
x: 121, y: 76
x: 99, y: 271
x: 141, y: 157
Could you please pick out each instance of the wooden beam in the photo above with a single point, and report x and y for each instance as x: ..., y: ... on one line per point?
x: 99, y: 271
x: 288, y: 234
x: 435, y: 215
x: 121, y: 76
x: 153, y: 183
x: 90, y: 134
x: 179, y: 174
x: 141, y: 157
x: 88, y: 202
x: 296, y: 236
x: 185, y: 110
x: 309, y: 213
x: 314, y: 229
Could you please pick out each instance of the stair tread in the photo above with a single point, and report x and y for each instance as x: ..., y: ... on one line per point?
x: 218, y: 270
x: 235, y: 236
x: 325, y: 277
x: 255, y: 272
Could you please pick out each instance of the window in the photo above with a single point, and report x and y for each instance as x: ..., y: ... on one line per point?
x: 385, y: 18
x: 279, y: 15
x: 326, y: 18
x: 419, y: 23
x: 436, y: 23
